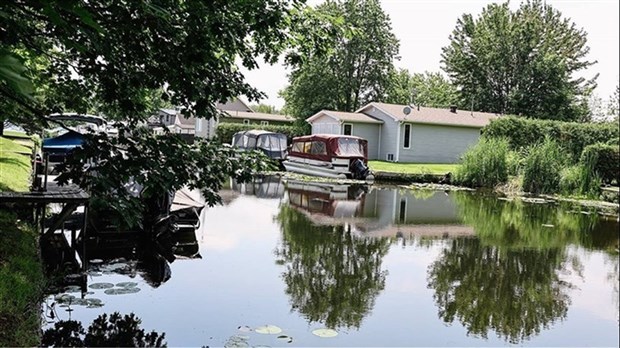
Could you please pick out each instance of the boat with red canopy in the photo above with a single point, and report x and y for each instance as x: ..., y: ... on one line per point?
x: 329, y: 155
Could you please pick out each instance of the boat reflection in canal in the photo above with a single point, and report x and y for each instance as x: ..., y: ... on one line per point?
x: 381, y: 266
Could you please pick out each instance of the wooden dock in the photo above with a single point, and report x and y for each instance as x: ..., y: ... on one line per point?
x: 70, y: 197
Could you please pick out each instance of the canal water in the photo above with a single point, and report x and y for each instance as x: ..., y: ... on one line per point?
x: 376, y: 266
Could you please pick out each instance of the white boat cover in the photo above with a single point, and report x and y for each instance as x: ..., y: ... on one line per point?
x: 185, y: 198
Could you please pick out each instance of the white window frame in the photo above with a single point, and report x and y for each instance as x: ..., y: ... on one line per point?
x: 246, y: 121
x: 344, y: 126
x: 408, y: 144
x: 199, y: 124
x: 264, y: 123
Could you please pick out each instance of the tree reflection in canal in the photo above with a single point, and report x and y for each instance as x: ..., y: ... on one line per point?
x: 515, y: 293
x: 508, y: 278
x: 331, y: 276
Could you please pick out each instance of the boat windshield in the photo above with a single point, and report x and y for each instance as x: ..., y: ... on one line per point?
x: 349, y: 147
x: 274, y: 142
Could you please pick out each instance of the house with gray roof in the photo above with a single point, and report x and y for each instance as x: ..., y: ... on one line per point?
x: 237, y: 111
x: 404, y: 133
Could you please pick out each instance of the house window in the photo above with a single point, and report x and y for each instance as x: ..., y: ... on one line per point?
x: 348, y: 129
x: 199, y: 125
x: 264, y: 123
x: 246, y: 121
x: 407, y: 137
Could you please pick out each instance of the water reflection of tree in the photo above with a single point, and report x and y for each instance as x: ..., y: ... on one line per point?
x: 516, y: 293
x: 331, y: 277
x: 508, y: 278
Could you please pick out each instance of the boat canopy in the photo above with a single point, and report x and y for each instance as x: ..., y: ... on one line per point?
x: 68, y: 140
x: 324, y: 147
x: 259, y: 139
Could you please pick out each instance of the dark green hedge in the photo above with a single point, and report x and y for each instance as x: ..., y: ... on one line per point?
x: 574, y: 137
x: 605, y: 160
x: 225, y: 131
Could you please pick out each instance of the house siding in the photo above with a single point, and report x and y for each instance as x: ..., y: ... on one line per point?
x: 325, y: 125
x: 370, y: 132
x: 437, y: 144
x: 389, y: 132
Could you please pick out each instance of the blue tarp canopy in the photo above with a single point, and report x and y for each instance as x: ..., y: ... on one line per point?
x: 67, y: 141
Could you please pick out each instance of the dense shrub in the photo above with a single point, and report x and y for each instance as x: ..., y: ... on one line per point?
x: 579, y: 180
x: 225, y: 131
x: 542, y: 167
x: 485, y: 164
x: 605, y: 161
x: 574, y: 137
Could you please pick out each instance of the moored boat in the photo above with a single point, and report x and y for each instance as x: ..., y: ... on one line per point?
x: 329, y: 155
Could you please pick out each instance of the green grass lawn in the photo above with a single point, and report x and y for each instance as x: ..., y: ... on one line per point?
x: 15, y: 167
x: 412, y: 168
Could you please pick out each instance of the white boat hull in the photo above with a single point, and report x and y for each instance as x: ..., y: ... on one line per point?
x: 309, y: 169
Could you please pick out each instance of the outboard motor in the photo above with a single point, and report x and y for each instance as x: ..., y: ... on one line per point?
x: 359, y: 169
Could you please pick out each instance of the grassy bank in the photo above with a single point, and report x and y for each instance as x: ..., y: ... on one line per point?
x: 21, y: 283
x: 412, y: 168
x: 14, y: 165
x: 21, y: 274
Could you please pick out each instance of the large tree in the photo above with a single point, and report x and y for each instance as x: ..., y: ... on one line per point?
x: 429, y: 89
x: 122, y: 59
x: 522, y: 62
x: 356, y: 69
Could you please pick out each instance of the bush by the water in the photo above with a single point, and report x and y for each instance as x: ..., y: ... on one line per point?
x: 225, y: 131
x: 579, y: 180
x: 542, y: 167
x: 485, y: 164
x: 574, y: 137
x: 605, y: 161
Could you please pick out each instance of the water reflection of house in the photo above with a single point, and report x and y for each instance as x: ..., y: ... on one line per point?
x: 379, y: 212
x: 411, y: 213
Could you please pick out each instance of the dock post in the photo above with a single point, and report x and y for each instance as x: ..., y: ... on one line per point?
x: 83, y: 234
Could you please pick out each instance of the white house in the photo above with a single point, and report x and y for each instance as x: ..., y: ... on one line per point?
x: 236, y: 111
x: 403, y: 133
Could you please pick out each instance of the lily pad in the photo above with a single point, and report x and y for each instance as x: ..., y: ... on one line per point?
x: 95, y: 261
x: 285, y: 338
x: 325, y: 333
x: 121, y: 291
x: 548, y: 225
x: 268, y: 330
x: 126, y: 285
x: 64, y: 298
x: 73, y: 288
x: 244, y: 328
x: 101, y: 286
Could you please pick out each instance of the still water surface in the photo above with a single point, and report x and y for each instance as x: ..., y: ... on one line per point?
x: 381, y: 266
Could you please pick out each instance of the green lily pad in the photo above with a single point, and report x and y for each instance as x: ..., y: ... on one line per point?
x: 126, y: 285
x: 268, y: 330
x: 121, y: 291
x: 325, y: 333
x: 73, y: 288
x: 64, y: 298
x: 101, y: 286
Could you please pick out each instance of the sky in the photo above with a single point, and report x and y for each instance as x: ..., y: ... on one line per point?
x: 423, y: 28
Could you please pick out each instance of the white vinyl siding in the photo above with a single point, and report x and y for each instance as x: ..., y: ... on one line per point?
x: 325, y: 125
x: 389, y: 132
x: 438, y: 144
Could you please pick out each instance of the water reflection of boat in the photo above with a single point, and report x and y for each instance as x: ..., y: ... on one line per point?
x: 327, y: 203
x: 267, y: 186
x: 377, y: 212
